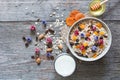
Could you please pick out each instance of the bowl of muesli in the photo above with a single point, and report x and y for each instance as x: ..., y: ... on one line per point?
x: 89, y: 39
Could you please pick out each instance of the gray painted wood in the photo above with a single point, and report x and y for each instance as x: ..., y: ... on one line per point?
x: 24, y: 10
x: 15, y: 61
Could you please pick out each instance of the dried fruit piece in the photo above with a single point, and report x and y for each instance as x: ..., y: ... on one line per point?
x: 73, y: 13
x: 85, y: 44
x: 102, y: 33
x: 79, y: 16
x: 99, y: 25
x: 83, y: 52
x: 96, y: 33
x: 82, y: 48
x: 77, y: 46
x: 94, y: 56
x: 73, y: 37
x: 76, y: 32
x: 87, y: 34
x: 101, y: 46
x: 82, y: 26
x: 101, y: 42
x: 70, y: 21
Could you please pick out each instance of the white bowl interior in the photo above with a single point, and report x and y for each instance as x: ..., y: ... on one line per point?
x: 105, y: 50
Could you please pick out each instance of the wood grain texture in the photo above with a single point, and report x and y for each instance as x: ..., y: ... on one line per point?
x: 16, y: 64
x: 16, y: 16
x: 31, y: 10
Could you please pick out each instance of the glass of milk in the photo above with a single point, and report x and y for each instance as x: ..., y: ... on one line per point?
x: 65, y: 65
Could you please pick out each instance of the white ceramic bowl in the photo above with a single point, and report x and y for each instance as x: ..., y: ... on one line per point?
x: 105, y: 50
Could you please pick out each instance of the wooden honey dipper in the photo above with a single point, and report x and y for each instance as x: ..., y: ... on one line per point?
x: 96, y: 6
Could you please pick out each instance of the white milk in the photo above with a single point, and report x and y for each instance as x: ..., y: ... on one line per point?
x: 65, y: 65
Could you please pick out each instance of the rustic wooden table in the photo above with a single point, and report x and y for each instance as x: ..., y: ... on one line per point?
x: 15, y: 63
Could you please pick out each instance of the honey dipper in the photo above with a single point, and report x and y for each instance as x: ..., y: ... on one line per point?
x: 96, y: 6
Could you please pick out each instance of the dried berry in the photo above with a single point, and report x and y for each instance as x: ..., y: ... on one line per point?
x: 76, y: 32
x: 48, y: 55
x: 100, y: 41
x: 24, y: 39
x: 95, y: 38
x: 82, y: 35
x: 101, y: 37
x: 29, y: 39
x: 94, y: 48
x: 49, y: 40
x: 33, y: 28
x: 37, y: 50
x: 86, y: 38
x: 26, y: 44
x: 44, y: 23
x: 32, y: 57
x: 82, y: 48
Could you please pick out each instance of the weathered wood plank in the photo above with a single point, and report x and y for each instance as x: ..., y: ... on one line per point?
x: 25, y: 10
x: 16, y: 64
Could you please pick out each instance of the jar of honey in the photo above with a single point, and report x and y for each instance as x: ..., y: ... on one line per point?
x: 98, y: 12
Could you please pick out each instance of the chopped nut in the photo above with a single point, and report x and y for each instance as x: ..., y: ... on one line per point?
x: 49, y: 50
x: 41, y: 36
x: 60, y: 46
x: 38, y: 61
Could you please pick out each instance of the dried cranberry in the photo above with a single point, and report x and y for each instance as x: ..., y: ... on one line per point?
x: 76, y: 32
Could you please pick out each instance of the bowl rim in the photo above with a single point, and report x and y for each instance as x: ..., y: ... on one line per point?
x: 105, y: 50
